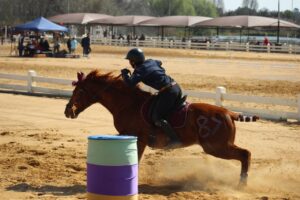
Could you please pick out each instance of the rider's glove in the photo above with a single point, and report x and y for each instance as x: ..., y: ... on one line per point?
x: 125, y: 71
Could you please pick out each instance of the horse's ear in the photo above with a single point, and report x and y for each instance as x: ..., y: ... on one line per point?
x: 80, y: 75
x: 80, y: 78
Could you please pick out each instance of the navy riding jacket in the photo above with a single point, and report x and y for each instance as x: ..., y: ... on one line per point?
x: 150, y: 73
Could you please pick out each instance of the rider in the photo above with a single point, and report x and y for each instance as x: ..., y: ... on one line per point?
x: 151, y: 73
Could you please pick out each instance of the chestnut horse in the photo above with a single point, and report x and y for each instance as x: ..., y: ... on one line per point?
x: 210, y: 126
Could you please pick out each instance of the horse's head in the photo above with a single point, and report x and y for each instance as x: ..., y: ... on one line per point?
x: 106, y: 89
x: 81, y: 98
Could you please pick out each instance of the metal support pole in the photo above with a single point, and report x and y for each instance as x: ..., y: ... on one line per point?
x: 278, y: 27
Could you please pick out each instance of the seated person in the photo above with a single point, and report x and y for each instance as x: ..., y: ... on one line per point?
x: 44, y: 45
x: 30, y: 48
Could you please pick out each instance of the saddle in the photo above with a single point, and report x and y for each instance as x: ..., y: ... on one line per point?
x: 176, y: 118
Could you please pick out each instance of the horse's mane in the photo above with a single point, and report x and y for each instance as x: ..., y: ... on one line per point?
x: 114, y: 82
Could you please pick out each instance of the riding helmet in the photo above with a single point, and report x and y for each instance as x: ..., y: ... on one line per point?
x: 136, y: 55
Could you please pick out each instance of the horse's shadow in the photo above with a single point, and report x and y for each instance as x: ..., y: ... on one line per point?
x: 49, y: 189
x: 80, y: 189
x: 165, y: 190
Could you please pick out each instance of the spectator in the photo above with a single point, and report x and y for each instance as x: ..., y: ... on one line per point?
x: 105, y: 33
x: 266, y: 41
x: 73, y: 45
x: 129, y: 38
x: 21, y: 44
x: 120, y: 37
x: 207, y: 40
x: 44, y: 44
x: 31, y: 47
x: 142, y: 37
x: 85, y: 43
x: 56, y: 45
x: 69, y: 44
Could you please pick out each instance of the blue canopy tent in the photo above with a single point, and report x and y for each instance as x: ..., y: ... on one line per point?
x: 40, y: 24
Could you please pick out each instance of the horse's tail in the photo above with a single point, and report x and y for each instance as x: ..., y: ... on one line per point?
x: 243, y: 118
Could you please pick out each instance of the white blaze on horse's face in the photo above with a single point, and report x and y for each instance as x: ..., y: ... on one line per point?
x: 77, y: 103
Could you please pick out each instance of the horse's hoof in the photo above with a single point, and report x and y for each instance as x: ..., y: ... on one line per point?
x: 242, y: 185
x: 243, y: 181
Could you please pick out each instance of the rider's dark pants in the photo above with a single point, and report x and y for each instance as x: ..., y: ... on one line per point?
x: 164, y: 103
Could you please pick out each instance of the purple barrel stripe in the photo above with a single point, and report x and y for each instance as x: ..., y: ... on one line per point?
x: 112, y: 180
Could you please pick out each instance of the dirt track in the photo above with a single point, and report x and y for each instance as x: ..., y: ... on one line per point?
x: 43, y: 154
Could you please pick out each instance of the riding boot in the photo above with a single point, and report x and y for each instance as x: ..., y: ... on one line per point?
x: 174, y: 140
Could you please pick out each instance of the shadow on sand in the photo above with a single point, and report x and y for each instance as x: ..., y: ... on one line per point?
x: 165, y: 190
x: 49, y: 189
x: 81, y: 189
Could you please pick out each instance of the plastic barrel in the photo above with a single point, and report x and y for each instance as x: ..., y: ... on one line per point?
x: 112, y: 168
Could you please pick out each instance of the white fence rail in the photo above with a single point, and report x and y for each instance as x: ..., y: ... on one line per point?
x: 177, y: 44
x: 219, y: 97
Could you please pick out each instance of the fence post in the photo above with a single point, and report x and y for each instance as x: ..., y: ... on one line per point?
x: 207, y: 45
x: 154, y: 43
x: 298, y: 101
x: 220, y: 91
x: 268, y: 48
x: 171, y: 43
x: 247, y: 47
x: 227, y: 46
x: 30, y: 82
x: 290, y: 49
x: 137, y: 42
x: 189, y: 44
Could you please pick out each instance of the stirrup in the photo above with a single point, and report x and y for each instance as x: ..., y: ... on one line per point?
x: 174, y: 141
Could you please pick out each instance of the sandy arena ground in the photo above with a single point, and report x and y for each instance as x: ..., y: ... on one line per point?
x: 43, y: 154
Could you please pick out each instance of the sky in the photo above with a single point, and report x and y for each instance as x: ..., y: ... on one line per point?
x: 269, y: 4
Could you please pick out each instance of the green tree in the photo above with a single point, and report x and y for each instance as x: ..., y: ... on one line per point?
x: 205, y: 8
x: 251, y: 4
x: 220, y: 6
x: 182, y: 7
x: 171, y: 7
x: 134, y: 7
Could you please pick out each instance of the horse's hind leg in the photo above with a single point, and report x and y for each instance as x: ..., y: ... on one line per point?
x: 236, y: 153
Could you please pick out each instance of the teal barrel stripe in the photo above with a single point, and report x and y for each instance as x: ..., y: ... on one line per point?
x: 109, y: 150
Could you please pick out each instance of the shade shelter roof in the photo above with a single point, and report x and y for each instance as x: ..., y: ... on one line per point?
x: 126, y: 20
x: 40, y: 24
x: 77, y: 18
x: 245, y: 21
x: 175, y: 21
x: 284, y: 24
